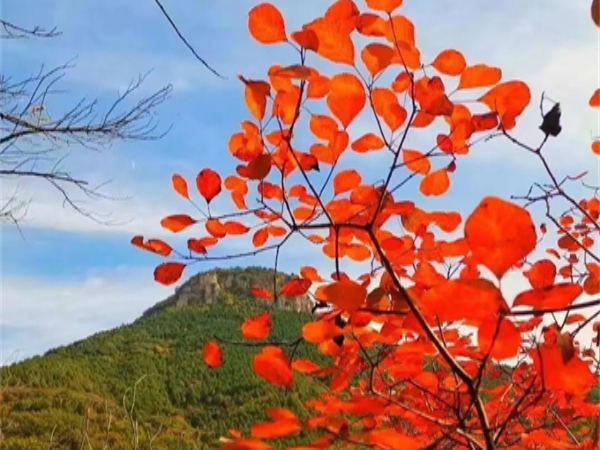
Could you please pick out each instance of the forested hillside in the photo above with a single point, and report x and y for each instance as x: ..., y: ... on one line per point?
x: 50, y: 401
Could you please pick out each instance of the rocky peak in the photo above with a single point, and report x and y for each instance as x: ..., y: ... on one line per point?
x: 217, y: 285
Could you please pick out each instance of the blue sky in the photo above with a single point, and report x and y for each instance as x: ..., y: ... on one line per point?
x: 69, y: 277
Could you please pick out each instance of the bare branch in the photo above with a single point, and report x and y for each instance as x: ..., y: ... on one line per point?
x: 184, y: 40
x: 12, y: 31
x: 34, y: 141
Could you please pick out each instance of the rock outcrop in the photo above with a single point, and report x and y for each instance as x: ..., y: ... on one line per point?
x: 217, y: 285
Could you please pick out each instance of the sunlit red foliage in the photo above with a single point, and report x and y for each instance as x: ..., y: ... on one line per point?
x: 416, y: 342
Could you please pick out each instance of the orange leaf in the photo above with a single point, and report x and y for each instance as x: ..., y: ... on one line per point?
x: 450, y: 62
x: 501, y: 342
x: 591, y: 285
x: 235, y: 228
x: 463, y: 299
x: 376, y: 57
x: 272, y: 368
x: 257, y: 328
x: 541, y: 274
x: 276, y: 230
x: 402, y: 82
x: 416, y: 161
x: 323, y: 127
x: 508, y: 99
x: 260, y: 237
x: 168, y: 273
x: 320, y: 331
x: 246, y: 444
x: 595, y: 12
x: 305, y: 366
x: 344, y: 11
x: 180, y: 186
x: 177, y: 222
x: 212, y: 354
x: 333, y: 41
x: 215, y: 228
x: 435, y: 183
x: 367, y: 142
x: 318, y: 87
x: 345, y: 294
x: 394, y: 440
x: 387, y: 6
x: 255, y: 95
x: 310, y: 273
x: 263, y: 293
x: 235, y: 184
x: 296, y: 287
x: 345, y: 181
x: 479, y: 75
x: 369, y: 24
x: 266, y: 24
x: 484, y: 122
x: 158, y: 246
x: 295, y: 71
x: 386, y: 106
x: 571, y: 377
x: 575, y: 318
x: 596, y: 147
x: 400, y: 32
x: 551, y: 297
x: 500, y: 234
x: 357, y: 252
x: 208, y: 183
x: 152, y: 245
x: 276, y: 429
x: 346, y: 98
x: 595, y: 98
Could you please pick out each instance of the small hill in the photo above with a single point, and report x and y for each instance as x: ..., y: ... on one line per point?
x: 80, y: 396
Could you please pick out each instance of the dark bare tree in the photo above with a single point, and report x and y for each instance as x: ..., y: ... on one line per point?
x: 35, y: 140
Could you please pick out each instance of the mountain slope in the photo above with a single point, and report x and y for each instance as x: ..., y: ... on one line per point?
x: 161, y: 351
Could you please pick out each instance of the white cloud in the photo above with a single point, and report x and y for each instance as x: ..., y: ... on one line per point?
x: 38, y: 314
x: 121, y: 210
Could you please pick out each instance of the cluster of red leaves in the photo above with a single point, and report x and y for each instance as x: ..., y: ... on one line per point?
x: 381, y: 334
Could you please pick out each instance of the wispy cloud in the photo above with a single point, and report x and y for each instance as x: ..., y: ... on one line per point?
x: 38, y: 314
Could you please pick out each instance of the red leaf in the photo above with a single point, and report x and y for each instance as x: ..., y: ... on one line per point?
x: 180, y: 186
x: 260, y: 237
x: 501, y: 342
x: 208, y: 183
x: 177, y: 222
x: 212, y: 354
x: 500, y: 234
x: 153, y: 245
x: 257, y: 328
x: 266, y: 24
x: 551, y: 297
x: 263, y: 293
x: 273, y: 368
x: 296, y: 287
x: 168, y: 273
x: 195, y: 245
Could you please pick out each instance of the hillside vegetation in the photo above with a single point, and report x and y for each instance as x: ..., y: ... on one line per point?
x: 69, y: 395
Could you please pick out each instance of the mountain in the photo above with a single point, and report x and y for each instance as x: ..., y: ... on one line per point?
x: 80, y: 396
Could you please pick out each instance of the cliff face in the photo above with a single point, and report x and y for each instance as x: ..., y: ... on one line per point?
x: 218, y: 285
